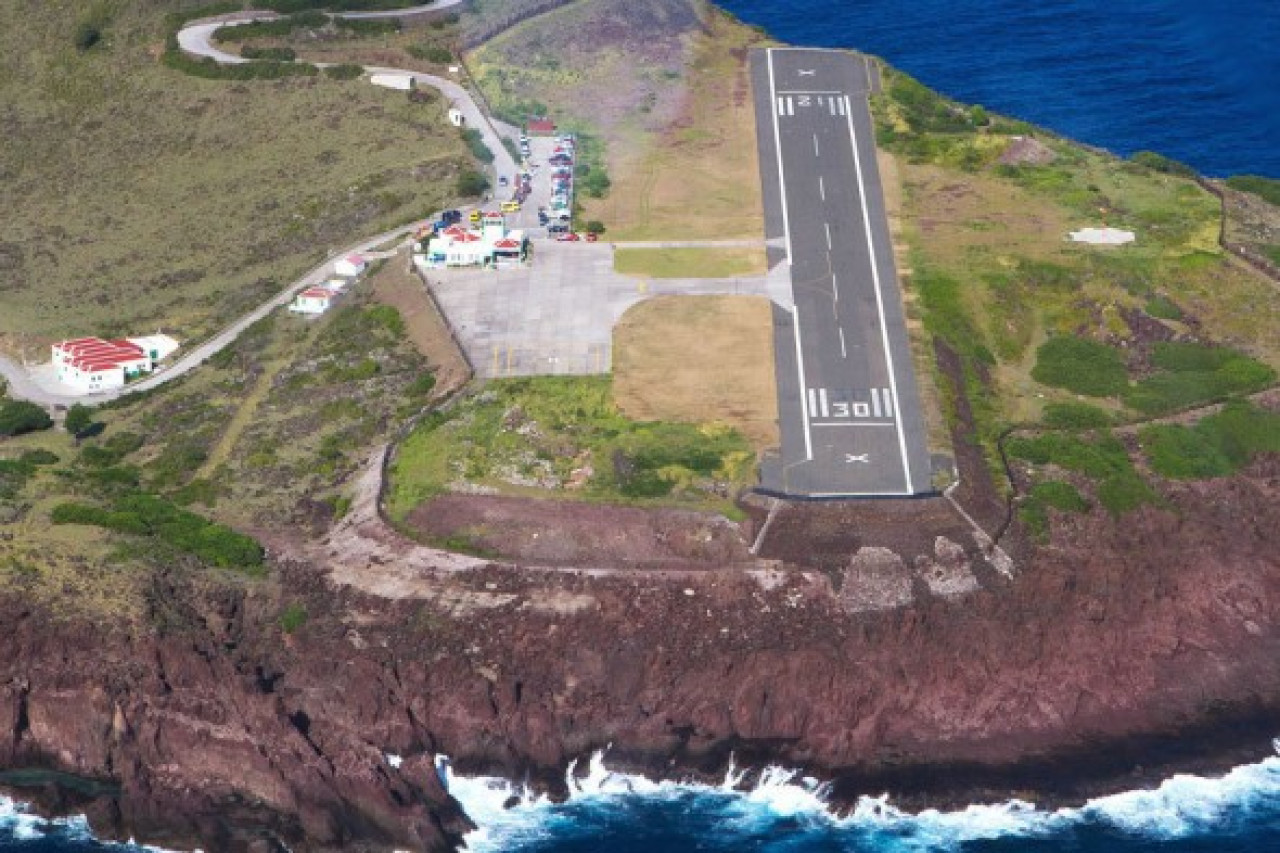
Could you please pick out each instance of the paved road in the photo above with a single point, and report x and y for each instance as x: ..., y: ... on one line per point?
x: 195, y: 39
x: 22, y: 385
x: 848, y: 403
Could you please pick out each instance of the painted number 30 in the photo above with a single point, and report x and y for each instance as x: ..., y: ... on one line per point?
x: 845, y: 410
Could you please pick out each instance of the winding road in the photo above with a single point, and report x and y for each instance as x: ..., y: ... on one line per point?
x: 196, y: 39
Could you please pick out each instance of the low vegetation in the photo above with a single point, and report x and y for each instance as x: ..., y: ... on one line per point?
x: 689, y: 262
x: 248, y: 185
x: 564, y: 437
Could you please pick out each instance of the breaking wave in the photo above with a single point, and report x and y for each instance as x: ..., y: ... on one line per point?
x: 782, y: 810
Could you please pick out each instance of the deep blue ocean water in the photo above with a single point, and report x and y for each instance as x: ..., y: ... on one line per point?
x: 1196, y: 81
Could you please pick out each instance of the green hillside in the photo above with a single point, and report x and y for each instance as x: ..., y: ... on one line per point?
x: 137, y: 197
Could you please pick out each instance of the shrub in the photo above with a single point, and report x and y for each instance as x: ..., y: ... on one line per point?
x: 79, y: 419
x: 19, y: 416
x: 422, y: 386
x: 1081, y: 366
x: 276, y: 54
x: 87, y: 36
x: 1060, y: 495
x: 1266, y: 188
x: 39, y: 456
x: 475, y: 144
x: 594, y: 181
x: 1075, y: 416
x: 595, y: 226
x: 1124, y: 494
x: 345, y: 71
x: 292, y: 618
x: 1183, y: 453
x: 435, y: 53
x: 387, y: 317
x: 472, y: 183
x: 1193, y: 374
x: 1161, y: 163
x: 1162, y: 308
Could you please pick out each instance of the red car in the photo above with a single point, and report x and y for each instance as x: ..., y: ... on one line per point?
x: 591, y: 238
x: 568, y: 238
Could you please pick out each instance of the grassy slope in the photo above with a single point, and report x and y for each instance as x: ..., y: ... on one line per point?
x: 988, y: 269
x: 665, y: 86
x: 138, y: 197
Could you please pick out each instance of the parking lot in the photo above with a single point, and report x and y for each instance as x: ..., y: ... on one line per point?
x: 556, y: 314
x: 542, y: 175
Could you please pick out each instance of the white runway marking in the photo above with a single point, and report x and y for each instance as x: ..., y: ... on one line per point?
x: 813, y: 403
x: 833, y: 106
x: 845, y: 354
x: 890, y: 403
x: 822, y: 402
x: 841, y: 106
x: 815, y: 145
x: 782, y: 186
x: 875, y: 401
x: 822, y: 188
x: 827, y: 225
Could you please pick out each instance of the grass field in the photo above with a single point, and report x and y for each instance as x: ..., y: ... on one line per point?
x: 138, y: 198
x: 690, y: 262
x: 991, y: 271
x: 699, y: 359
x: 665, y: 86
x: 564, y: 437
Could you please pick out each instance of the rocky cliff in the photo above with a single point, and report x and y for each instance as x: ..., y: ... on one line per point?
x: 1119, y: 649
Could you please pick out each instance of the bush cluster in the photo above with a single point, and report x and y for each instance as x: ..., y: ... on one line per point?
x: 472, y: 183
x: 141, y: 514
x: 431, y: 53
x: 1191, y: 374
x: 274, y: 54
x: 1217, y: 446
x: 19, y: 416
x: 1265, y: 188
x: 1120, y: 488
x: 1075, y: 416
x: 475, y: 144
x: 1161, y: 163
x: 1081, y: 366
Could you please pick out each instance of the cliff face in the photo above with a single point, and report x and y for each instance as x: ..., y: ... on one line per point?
x: 218, y: 728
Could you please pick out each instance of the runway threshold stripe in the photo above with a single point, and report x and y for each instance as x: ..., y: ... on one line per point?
x: 841, y: 106
x: 875, y: 401
x: 813, y: 404
x: 833, y: 106
x: 888, y: 404
x: 822, y: 402
x: 782, y: 107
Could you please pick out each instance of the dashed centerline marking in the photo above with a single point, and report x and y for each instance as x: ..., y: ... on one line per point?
x: 822, y: 188
x: 844, y: 354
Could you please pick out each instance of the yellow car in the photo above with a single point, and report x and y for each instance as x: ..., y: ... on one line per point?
x: 475, y: 216
x: 510, y: 206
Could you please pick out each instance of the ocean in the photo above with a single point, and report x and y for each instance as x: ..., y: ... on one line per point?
x: 1199, y: 82
x: 1196, y: 81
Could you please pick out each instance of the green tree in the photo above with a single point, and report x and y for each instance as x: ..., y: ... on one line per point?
x: 595, y: 226
x: 19, y: 416
x: 79, y: 420
x: 471, y: 183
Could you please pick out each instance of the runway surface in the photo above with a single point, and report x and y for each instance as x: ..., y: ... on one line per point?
x: 848, y: 403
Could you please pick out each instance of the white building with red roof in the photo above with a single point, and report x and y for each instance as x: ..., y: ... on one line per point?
x: 89, y: 365
x: 351, y: 266
x: 313, y: 300
x: 458, y: 246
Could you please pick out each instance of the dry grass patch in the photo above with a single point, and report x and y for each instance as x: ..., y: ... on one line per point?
x: 698, y: 359
x: 396, y: 286
x: 690, y: 262
x: 700, y: 177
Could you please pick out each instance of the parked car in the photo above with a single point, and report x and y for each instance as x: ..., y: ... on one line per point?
x: 591, y: 238
x: 451, y: 217
x: 557, y: 229
x: 568, y: 237
x: 502, y: 180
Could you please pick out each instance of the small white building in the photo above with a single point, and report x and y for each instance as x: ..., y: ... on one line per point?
x: 351, y: 266
x: 456, y: 118
x: 93, y: 364
x: 157, y: 347
x: 313, y: 300
x: 335, y: 285
x: 401, y: 82
x: 458, y: 246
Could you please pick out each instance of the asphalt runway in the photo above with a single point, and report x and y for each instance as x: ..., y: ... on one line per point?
x: 849, y: 408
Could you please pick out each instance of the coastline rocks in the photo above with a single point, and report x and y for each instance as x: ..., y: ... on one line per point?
x: 1118, y: 652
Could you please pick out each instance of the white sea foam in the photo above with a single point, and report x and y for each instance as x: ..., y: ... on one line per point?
x: 18, y: 823
x: 1181, y: 806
